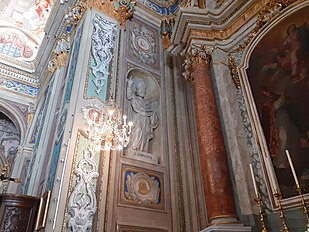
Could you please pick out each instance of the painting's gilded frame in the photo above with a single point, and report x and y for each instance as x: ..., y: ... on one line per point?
x: 43, y: 209
x: 268, y: 18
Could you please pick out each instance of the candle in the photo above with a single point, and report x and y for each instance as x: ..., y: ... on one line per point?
x: 125, y: 120
x: 253, y: 179
x: 130, y: 127
x: 292, y: 167
x: 95, y: 114
x: 110, y: 112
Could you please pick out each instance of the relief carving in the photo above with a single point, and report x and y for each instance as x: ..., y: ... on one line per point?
x: 82, y: 203
x: 143, y: 100
x: 102, y: 49
x: 143, y: 46
x: 142, y: 188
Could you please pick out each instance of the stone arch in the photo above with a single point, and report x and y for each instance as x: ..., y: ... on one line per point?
x: 16, y: 117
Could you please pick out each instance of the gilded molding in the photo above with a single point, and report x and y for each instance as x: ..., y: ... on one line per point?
x: 266, y: 14
x: 234, y: 73
x: 59, y: 55
x: 119, y: 10
x: 264, y: 10
x: 198, y: 54
x: 270, y: 10
x: 215, y: 32
x: 193, y: 3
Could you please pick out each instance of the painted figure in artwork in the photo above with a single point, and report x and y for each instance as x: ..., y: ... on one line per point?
x: 283, y: 104
x: 292, y: 56
x: 144, y: 119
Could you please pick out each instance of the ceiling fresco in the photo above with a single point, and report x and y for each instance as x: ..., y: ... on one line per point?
x: 28, y: 14
x: 22, y: 24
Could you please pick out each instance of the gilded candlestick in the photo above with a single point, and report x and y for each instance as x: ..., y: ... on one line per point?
x: 284, y: 227
x: 299, y: 190
x: 258, y: 200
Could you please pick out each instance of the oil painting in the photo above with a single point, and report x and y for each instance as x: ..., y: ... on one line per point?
x: 278, y: 74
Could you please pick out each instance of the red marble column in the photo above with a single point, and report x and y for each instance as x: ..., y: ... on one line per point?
x: 218, y: 191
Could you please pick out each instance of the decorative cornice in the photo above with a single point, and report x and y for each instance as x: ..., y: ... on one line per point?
x: 18, y: 88
x: 200, y: 24
x: 24, y: 65
x: 198, y: 54
x: 17, y: 75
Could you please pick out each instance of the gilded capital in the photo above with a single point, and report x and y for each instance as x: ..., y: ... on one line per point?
x: 60, y: 54
x: 198, y: 54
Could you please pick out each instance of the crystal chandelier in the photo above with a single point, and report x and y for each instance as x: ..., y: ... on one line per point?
x: 107, y: 128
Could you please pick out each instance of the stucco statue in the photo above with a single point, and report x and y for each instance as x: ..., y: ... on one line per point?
x: 144, y: 119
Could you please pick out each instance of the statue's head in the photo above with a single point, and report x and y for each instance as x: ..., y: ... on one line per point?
x: 140, y: 88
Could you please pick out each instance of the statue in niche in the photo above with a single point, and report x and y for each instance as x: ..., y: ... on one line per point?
x: 141, y: 113
x: 9, y: 138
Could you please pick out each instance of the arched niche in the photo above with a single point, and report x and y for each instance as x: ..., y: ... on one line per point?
x: 9, y: 141
x: 274, y: 75
x: 151, y: 100
x: 16, y: 117
x: 15, y: 123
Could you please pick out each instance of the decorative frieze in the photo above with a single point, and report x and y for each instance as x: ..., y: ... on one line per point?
x: 166, y: 9
x: 18, y: 75
x: 18, y: 87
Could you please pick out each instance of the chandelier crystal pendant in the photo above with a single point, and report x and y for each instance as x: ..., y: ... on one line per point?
x: 107, y: 128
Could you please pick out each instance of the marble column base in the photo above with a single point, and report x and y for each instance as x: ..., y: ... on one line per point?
x: 227, y: 228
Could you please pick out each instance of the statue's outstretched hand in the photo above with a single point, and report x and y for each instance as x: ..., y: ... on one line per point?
x: 130, y: 81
